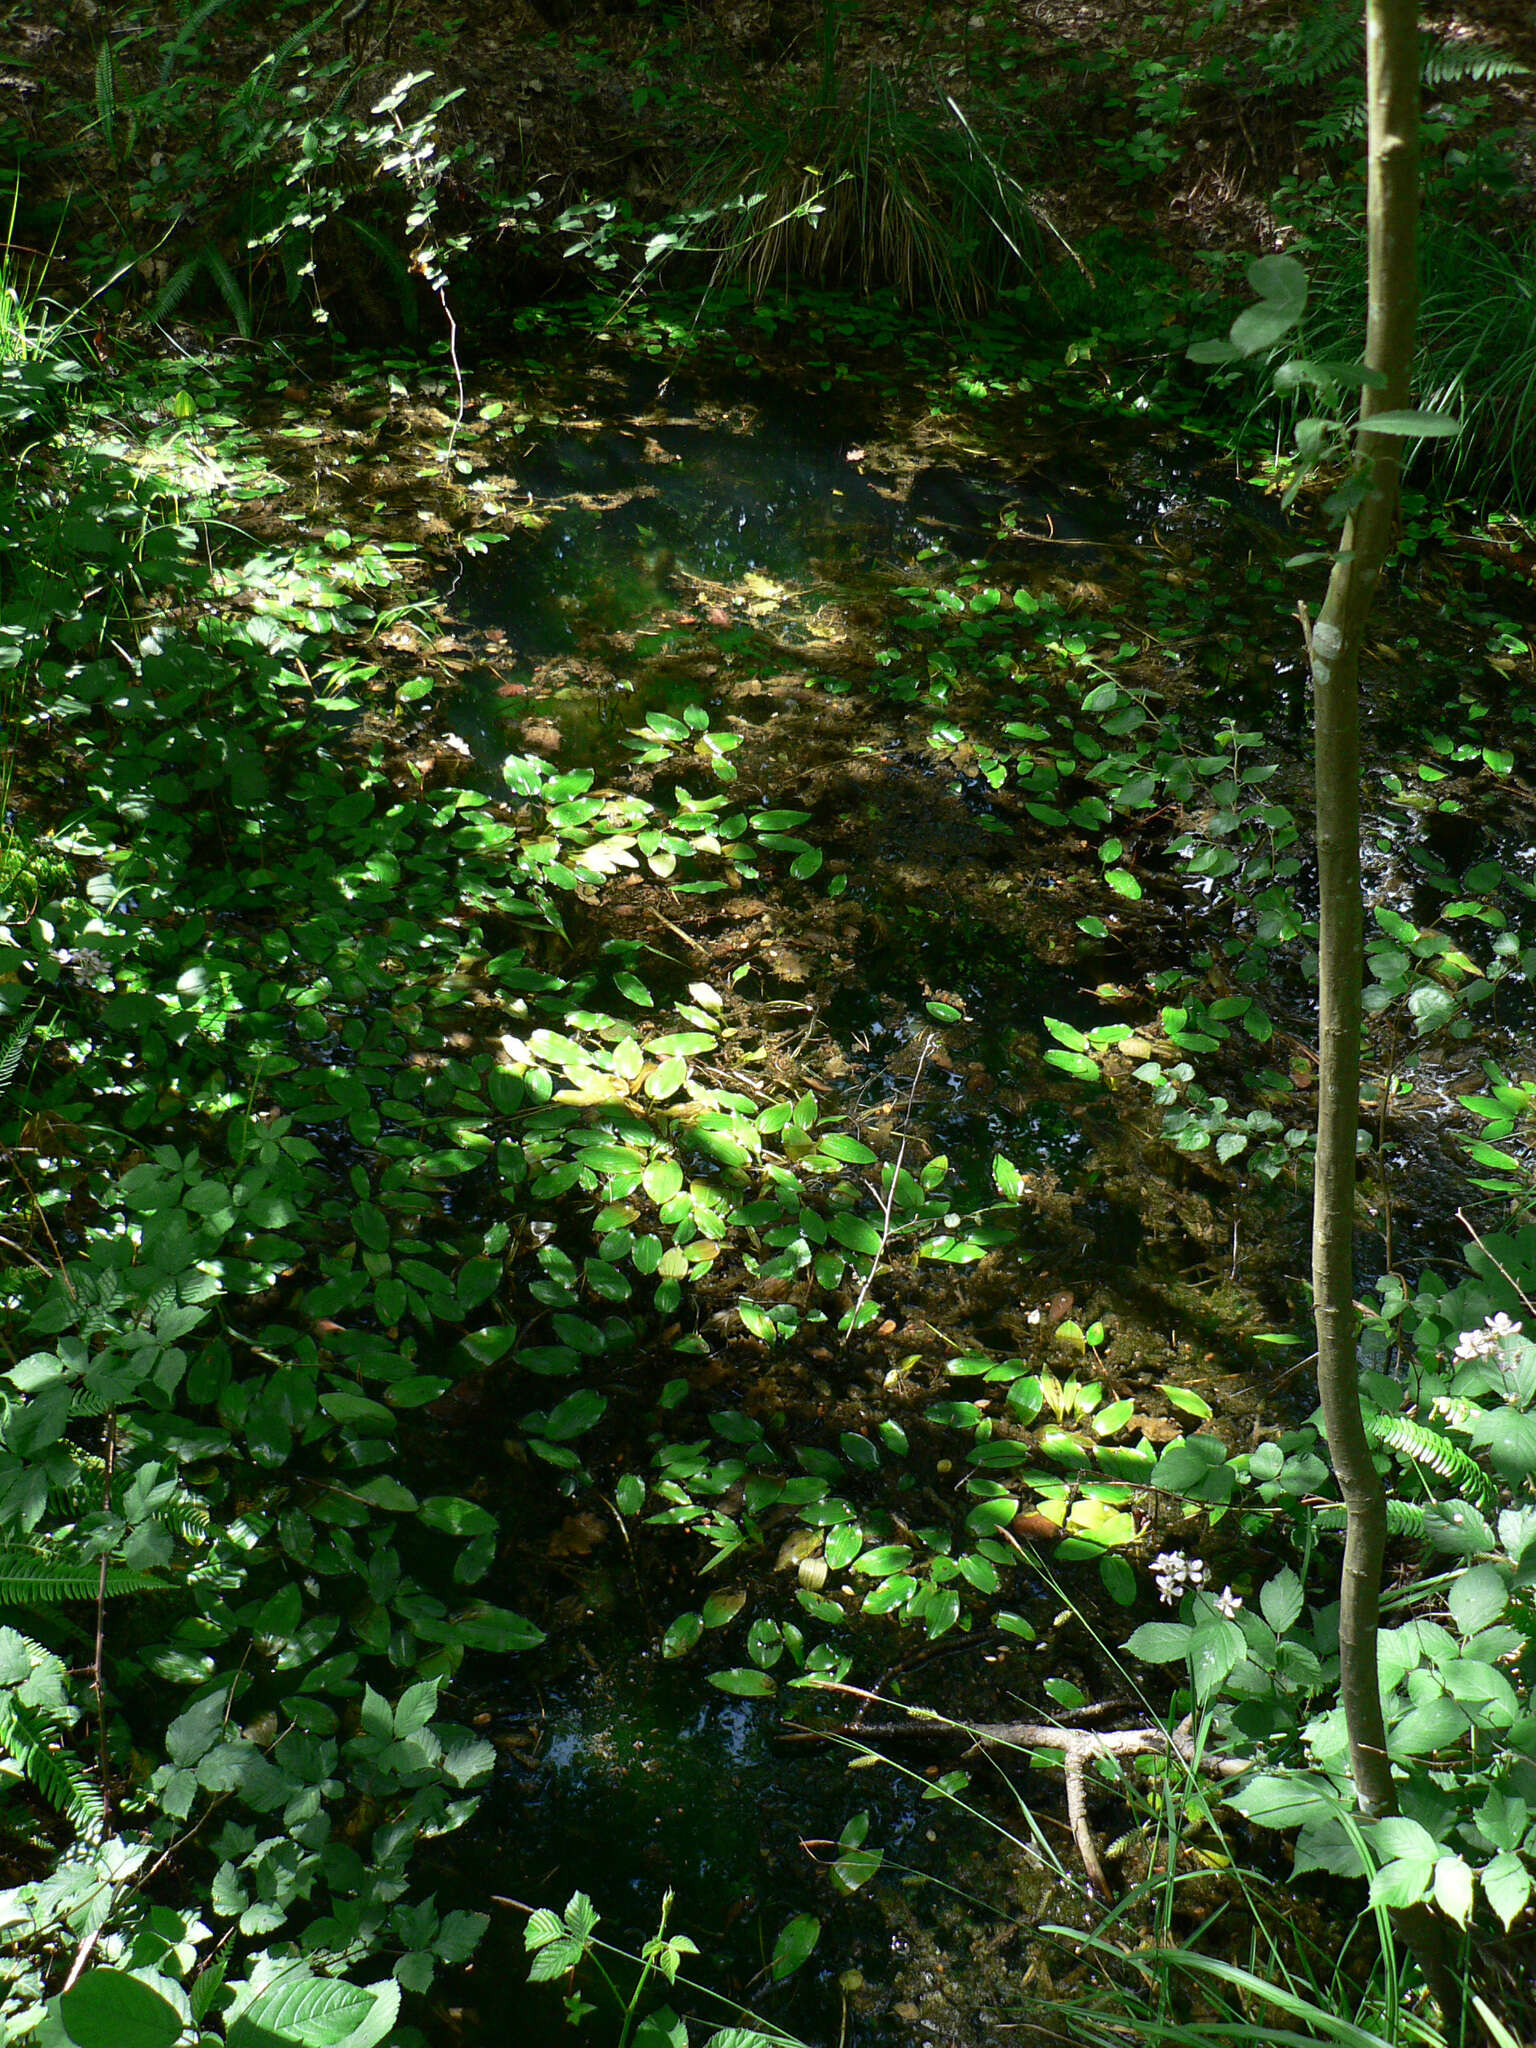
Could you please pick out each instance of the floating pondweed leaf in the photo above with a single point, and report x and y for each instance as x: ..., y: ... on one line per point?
x: 884, y: 1559
x: 682, y: 1634
x: 797, y: 1940
x: 744, y: 1683
x: 721, y: 1608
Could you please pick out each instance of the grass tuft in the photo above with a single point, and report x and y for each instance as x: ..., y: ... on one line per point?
x: 866, y: 185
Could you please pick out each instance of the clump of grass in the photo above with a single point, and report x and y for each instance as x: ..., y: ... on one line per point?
x: 1173, y: 1997
x: 860, y: 181
x: 1478, y: 324
x: 1477, y: 347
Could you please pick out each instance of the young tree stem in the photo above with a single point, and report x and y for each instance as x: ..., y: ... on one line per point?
x: 1392, y: 92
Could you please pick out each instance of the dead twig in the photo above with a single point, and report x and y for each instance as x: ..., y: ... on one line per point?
x: 1077, y: 1748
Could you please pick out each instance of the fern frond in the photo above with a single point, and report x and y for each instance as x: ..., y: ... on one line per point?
x: 29, y: 1579
x: 262, y: 79
x: 86, y: 1403
x: 1442, y: 64
x: 1336, y: 127
x: 187, y: 1519
x: 1433, y: 1452
x: 229, y: 290
x: 1453, y: 1410
x: 27, y: 1739
x: 301, y: 36
x: 11, y: 1052
x: 187, y: 39
x: 1405, y: 1519
x: 176, y: 287
x: 106, y: 96
x: 1324, y: 42
x: 163, y: 1298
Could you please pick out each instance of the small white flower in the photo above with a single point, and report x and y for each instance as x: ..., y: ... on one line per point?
x: 1486, y: 1342
x: 1172, y: 1572
x: 1227, y: 1603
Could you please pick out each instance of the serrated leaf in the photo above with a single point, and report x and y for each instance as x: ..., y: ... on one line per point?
x: 1507, y: 1887
x: 1453, y: 1888
x: 1478, y: 1597
x: 317, y: 2012
x: 113, y: 2009
x: 1213, y: 352
x: 1161, y: 1642
x: 1402, y: 1883
x: 1284, y: 1800
x: 1261, y: 326
x: 1280, y: 1600
x: 1217, y: 1649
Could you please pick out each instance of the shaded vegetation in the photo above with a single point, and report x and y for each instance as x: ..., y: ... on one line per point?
x: 655, y: 1005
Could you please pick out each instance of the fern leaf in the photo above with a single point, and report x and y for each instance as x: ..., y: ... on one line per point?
x: 28, y: 1579
x: 11, y: 1052
x: 27, y: 1739
x: 187, y: 40
x: 106, y: 97
x: 1442, y: 64
x: 163, y: 1298
x: 86, y: 1402
x: 1326, y: 41
x: 393, y: 261
x: 176, y: 287
x: 1405, y: 1519
x: 229, y: 290
x: 261, y: 81
x: 301, y: 36
x: 187, y: 1519
x: 1432, y: 1452
x: 1335, y: 128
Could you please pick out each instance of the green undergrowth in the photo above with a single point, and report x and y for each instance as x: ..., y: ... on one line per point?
x: 332, y: 1090
x: 323, y: 1097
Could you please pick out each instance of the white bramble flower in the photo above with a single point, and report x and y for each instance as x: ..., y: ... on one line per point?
x: 1486, y: 1342
x: 1227, y: 1603
x: 1173, y: 1572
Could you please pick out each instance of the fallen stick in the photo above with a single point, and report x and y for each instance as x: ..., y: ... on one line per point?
x: 1077, y: 1748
